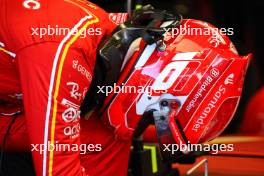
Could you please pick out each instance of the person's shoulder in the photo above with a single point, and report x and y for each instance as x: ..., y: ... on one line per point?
x: 77, y: 7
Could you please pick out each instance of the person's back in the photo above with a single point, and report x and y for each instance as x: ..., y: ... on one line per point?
x: 47, y: 55
x: 29, y: 23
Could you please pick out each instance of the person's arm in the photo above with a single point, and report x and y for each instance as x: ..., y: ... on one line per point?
x: 53, y: 87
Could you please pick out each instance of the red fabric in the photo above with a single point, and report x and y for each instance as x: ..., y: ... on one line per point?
x: 253, y: 122
x: 114, y: 156
x: 111, y: 160
x: 150, y: 134
x: 53, y: 73
x: 17, y: 139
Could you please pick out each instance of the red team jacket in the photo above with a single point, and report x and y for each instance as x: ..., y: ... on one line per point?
x: 47, y: 56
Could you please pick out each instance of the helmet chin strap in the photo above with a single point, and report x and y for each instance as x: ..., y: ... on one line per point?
x: 164, y: 122
x: 168, y: 130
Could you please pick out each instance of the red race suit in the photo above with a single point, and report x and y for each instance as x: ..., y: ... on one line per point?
x: 47, y: 57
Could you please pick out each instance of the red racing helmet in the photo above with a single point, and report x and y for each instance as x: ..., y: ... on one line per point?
x: 190, y: 82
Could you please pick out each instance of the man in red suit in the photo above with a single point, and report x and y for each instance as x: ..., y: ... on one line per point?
x: 45, y: 73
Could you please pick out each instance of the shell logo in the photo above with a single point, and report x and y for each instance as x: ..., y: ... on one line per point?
x: 31, y: 4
